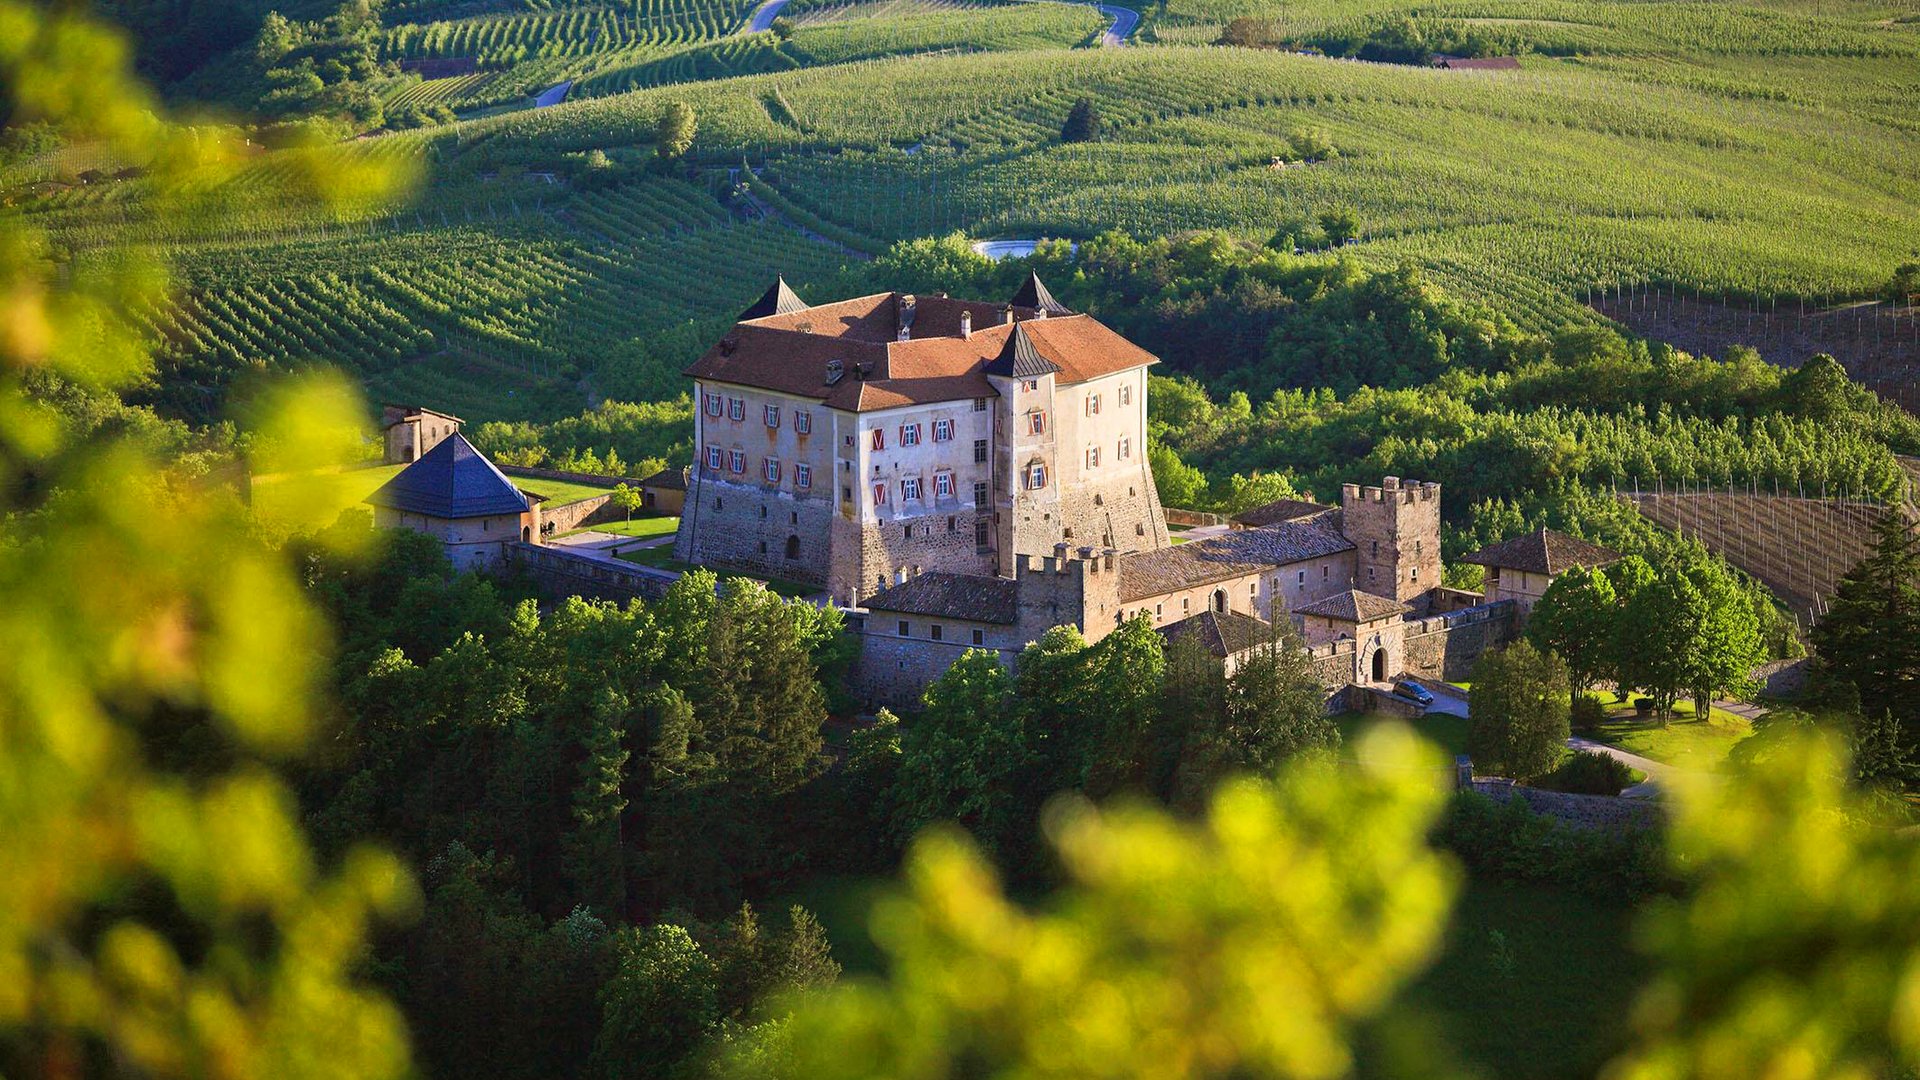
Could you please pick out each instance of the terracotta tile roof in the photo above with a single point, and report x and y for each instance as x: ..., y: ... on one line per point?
x: 1354, y: 606
x: 940, y: 595
x: 1222, y: 633
x: 1145, y: 574
x: 1281, y: 510
x: 452, y: 480
x: 1542, y: 552
x: 789, y: 352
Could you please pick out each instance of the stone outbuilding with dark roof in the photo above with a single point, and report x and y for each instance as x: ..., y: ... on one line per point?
x: 1375, y: 624
x: 409, y: 431
x: 1227, y: 636
x: 1521, y: 568
x: 455, y: 495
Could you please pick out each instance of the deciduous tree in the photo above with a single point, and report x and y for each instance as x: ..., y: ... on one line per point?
x: 1519, y: 704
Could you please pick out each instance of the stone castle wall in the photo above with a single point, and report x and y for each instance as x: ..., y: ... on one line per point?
x: 559, y: 573
x: 745, y: 527
x: 1445, y: 647
x: 864, y: 555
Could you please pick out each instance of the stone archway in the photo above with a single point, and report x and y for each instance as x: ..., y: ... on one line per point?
x: 1220, y: 600
x: 1379, y: 665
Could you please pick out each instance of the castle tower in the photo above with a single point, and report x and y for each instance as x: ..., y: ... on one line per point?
x: 1395, y: 529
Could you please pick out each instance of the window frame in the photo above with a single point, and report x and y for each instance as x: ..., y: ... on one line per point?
x: 715, y: 459
x: 942, y: 425
x: 943, y: 479
x: 910, y: 490
x: 736, y: 409
x: 716, y: 405
x: 910, y: 434
x: 771, y: 413
x: 802, y: 475
x: 737, y: 461
x: 802, y: 422
x: 770, y: 470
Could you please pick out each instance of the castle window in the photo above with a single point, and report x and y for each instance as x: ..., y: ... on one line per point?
x: 943, y: 431
x: 719, y: 504
x: 1158, y: 614
x: 953, y: 524
x: 1036, y: 423
x: 1093, y: 404
x: 1126, y: 393
x: 736, y: 409
x: 1370, y: 574
x: 979, y: 451
x: 736, y: 461
x: 1302, y: 579
x: 979, y: 493
x: 713, y: 405
x: 802, y: 422
x: 943, y: 485
x: 770, y: 468
x: 713, y: 458
x: 909, y: 434
x: 879, y: 494
x: 1323, y: 571
x: 773, y: 416
x: 1139, y: 528
x: 980, y: 535
x: 879, y: 438
x: 910, y: 488
x: 849, y: 442
x: 905, y: 629
x: 1376, y: 548
x: 934, y: 631
x: 763, y: 517
x: 793, y: 547
x: 846, y: 493
x: 1093, y: 457
x: 979, y: 404
x: 1036, y: 476
x: 907, y: 532
x: 1126, y: 449
x: 1186, y: 605
x: 1414, y: 574
x: 803, y: 476
x: 1033, y: 384
x: 979, y: 637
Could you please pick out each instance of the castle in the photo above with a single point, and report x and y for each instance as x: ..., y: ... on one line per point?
x: 961, y: 474
x: 859, y: 444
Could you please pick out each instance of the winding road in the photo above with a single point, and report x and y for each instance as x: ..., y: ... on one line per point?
x: 1124, y: 20
x: 764, y: 15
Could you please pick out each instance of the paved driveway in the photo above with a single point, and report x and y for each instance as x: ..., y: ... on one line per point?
x: 1124, y: 20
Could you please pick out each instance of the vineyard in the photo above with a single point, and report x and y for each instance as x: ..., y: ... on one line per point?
x: 1796, y: 545
x: 507, y: 316
x: 1742, y: 156
x: 1526, y: 188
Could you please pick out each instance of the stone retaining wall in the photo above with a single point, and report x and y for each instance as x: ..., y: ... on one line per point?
x: 581, y: 513
x: 1193, y: 518
x: 1580, y: 811
x: 560, y: 574
x: 1444, y: 647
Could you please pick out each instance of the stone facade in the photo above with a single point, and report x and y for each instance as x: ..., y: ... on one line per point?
x: 1445, y: 647
x: 410, y: 431
x: 1395, y: 529
x: 920, y: 458
x: 472, y: 543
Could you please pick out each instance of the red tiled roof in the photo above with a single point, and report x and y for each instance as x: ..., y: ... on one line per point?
x: 790, y: 352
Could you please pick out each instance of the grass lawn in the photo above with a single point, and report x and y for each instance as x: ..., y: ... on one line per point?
x: 662, y: 558
x: 559, y: 492
x: 1447, y: 731
x: 642, y: 526
x: 1531, y: 982
x: 1686, y: 741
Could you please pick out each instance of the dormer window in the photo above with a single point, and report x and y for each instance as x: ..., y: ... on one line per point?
x: 836, y: 371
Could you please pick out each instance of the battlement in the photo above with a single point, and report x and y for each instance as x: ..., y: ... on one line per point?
x: 1083, y: 561
x: 1392, y: 489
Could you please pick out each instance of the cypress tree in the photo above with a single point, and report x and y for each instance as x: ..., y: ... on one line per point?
x: 1083, y: 122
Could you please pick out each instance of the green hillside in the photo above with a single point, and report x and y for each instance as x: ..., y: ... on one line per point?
x: 1748, y: 151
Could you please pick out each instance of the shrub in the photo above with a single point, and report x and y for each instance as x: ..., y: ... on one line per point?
x: 1588, y: 713
x: 1509, y: 842
x: 1588, y: 772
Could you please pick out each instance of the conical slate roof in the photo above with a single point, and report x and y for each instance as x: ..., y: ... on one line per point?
x: 1020, y: 358
x: 1033, y: 294
x: 452, y: 480
x: 777, y: 300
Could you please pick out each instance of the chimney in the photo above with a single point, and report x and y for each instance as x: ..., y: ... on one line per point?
x: 1006, y: 314
x: 966, y: 324
x: 906, y: 308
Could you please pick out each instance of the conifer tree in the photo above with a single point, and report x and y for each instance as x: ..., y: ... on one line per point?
x: 1083, y: 122
x: 1869, y: 641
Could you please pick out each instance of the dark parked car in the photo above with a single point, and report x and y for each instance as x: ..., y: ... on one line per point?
x: 1413, y: 692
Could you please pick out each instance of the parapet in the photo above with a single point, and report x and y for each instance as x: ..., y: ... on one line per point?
x: 1391, y: 489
